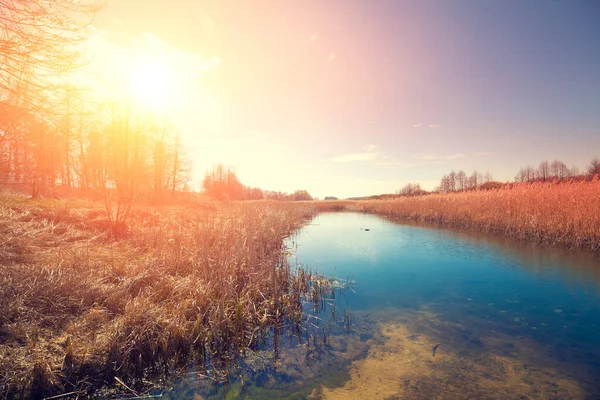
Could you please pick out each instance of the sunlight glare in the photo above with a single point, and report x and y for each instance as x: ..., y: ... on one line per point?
x: 153, y: 84
x: 171, y: 86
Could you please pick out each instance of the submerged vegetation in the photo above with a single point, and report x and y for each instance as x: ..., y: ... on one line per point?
x: 187, y: 287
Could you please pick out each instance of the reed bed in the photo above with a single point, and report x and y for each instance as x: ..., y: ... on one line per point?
x: 204, y: 285
x: 552, y: 213
x: 187, y: 286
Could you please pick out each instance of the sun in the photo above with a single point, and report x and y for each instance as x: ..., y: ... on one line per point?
x: 153, y: 83
x: 161, y: 85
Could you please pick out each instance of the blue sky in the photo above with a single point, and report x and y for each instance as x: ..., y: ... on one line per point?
x: 351, y: 98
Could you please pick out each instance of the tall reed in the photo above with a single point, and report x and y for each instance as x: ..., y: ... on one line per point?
x: 552, y: 213
x: 187, y: 286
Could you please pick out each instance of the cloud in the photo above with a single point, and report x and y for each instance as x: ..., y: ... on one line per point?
x: 313, y: 37
x: 449, y: 157
x: 354, y: 157
x: 370, y: 153
x: 430, y: 126
x: 396, y: 164
x: 483, y: 153
x: 331, y: 56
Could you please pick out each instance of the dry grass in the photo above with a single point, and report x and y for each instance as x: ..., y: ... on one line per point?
x: 202, y: 285
x: 186, y: 286
x: 566, y: 213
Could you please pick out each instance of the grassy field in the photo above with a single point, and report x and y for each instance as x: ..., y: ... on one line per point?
x: 551, y: 213
x: 198, y: 285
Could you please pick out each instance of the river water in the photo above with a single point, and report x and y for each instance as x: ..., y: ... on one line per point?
x: 432, y: 313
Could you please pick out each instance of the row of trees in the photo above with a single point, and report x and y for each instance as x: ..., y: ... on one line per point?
x: 546, y: 171
x: 298, y: 195
x: 411, y: 189
x: 109, y: 148
x: 555, y: 170
x: 55, y: 133
x: 460, y: 181
x: 221, y: 183
x: 452, y: 182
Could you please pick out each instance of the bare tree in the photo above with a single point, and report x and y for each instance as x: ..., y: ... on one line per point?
x: 461, y: 180
x: 38, y: 41
x: 525, y: 174
x: 475, y: 180
x: 488, y: 177
x: 411, y: 189
x: 38, y: 46
x: 159, y: 155
x: 223, y: 184
x: 125, y: 165
x: 452, y: 181
x: 574, y: 171
x: 445, y: 184
x: 559, y: 170
x: 181, y: 169
x: 543, y: 171
x: 594, y: 167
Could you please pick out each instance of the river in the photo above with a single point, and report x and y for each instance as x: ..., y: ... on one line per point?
x: 433, y: 313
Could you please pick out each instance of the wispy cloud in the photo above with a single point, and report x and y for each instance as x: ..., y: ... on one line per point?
x: 369, y: 154
x: 313, y: 37
x: 448, y: 157
x: 430, y: 126
x: 483, y: 153
x: 396, y: 164
x: 354, y: 157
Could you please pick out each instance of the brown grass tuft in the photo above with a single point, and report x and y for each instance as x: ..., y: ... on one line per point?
x: 79, y: 309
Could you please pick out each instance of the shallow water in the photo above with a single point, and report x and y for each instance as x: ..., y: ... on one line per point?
x: 436, y: 314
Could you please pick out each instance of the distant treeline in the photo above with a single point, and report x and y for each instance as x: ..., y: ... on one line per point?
x: 92, y: 147
x: 55, y: 133
x: 221, y: 183
x: 555, y: 171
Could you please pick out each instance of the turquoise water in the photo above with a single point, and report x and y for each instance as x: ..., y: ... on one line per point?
x: 506, y: 319
x: 544, y: 295
x: 410, y: 266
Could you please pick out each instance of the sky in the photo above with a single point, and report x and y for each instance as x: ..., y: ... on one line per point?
x: 352, y: 98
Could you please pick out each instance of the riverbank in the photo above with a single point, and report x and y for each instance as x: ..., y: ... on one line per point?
x: 81, y: 310
x: 566, y: 214
x: 204, y: 282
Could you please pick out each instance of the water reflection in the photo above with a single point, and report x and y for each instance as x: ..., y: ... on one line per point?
x: 577, y: 267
